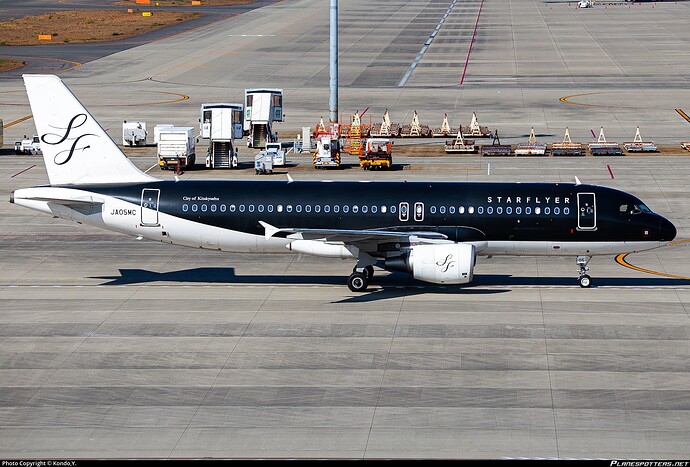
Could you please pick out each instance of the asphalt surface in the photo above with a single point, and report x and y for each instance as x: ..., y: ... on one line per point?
x: 56, y: 58
x: 112, y: 347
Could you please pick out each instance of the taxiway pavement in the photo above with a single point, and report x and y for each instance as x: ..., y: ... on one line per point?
x: 117, y: 348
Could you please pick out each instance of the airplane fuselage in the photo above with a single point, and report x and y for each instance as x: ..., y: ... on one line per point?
x: 499, y: 218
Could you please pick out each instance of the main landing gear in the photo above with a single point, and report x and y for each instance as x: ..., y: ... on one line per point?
x: 584, y: 280
x: 360, y: 277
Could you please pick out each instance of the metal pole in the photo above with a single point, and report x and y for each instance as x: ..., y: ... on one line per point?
x: 333, y: 102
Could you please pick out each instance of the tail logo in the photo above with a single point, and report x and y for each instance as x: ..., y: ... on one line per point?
x: 446, y: 263
x: 54, y: 139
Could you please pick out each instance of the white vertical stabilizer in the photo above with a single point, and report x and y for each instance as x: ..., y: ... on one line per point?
x: 75, y: 148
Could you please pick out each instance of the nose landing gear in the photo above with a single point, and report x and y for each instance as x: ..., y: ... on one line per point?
x: 584, y: 280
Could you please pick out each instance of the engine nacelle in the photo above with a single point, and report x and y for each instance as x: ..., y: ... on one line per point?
x: 439, y: 264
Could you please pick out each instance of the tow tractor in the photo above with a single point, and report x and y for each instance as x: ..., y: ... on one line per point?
x: 377, y: 154
x: 265, y: 159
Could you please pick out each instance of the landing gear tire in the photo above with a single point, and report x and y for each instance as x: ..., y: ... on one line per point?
x: 585, y: 281
x: 368, y: 271
x: 357, y: 282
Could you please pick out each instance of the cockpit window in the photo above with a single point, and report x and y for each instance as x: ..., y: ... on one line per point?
x: 633, y: 209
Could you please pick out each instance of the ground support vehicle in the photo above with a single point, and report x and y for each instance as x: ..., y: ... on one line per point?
x: 176, y: 148
x: 637, y: 145
x: 601, y: 147
x: 567, y: 147
x: 531, y: 147
x: 378, y: 154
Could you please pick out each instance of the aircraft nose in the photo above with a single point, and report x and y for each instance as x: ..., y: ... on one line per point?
x: 667, y: 230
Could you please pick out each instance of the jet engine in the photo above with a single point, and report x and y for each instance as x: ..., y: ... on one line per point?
x: 439, y: 264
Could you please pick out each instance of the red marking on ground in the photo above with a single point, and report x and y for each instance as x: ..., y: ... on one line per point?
x: 610, y: 171
x: 469, y: 51
x: 19, y: 173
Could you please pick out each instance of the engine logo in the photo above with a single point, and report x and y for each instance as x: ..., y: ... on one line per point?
x: 446, y: 263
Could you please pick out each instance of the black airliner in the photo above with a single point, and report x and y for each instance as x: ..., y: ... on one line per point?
x: 432, y: 230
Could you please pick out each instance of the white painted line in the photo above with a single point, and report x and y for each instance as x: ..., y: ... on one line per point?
x: 147, y: 170
x: 428, y: 42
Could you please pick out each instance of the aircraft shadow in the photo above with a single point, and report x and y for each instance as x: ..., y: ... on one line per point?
x: 393, y: 285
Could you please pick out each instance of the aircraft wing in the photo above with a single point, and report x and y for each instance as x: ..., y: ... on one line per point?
x: 353, y: 237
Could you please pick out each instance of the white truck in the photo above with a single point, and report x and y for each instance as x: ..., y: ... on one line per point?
x: 176, y: 145
x: 262, y: 108
x: 134, y: 133
x: 157, y: 130
x: 28, y: 145
x: 221, y: 124
x: 327, y: 153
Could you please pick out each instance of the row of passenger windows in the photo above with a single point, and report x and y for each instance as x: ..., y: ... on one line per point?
x: 373, y: 209
x: 288, y: 208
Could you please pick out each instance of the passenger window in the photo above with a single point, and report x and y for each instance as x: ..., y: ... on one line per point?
x: 241, y: 208
x: 547, y: 211
x: 499, y: 210
x: 260, y: 208
x: 317, y: 208
x: 355, y: 208
x: 213, y: 208
x: 204, y: 208
x: 451, y: 210
x: 185, y: 207
x: 270, y: 208
x: 528, y: 210
x: 470, y: 210
x: 327, y: 208
x: 518, y: 210
x: 364, y: 209
x: 307, y: 208
x: 393, y: 209
x: 298, y: 208
x: 280, y: 208
x: 251, y: 208
x: 374, y: 209
x: 509, y: 210
x: 442, y: 210
x: 288, y: 208
x: 346, y: 208
x: 490, y: 210
x: 566, y: 211
x: 336, y: 208
x: 461, y: 209
x: 556, y: 211
x: 222, y: 208
x: 480, y: 210
x: 383, y: 209
x: 232, y: 208
x: 432, y: 209
x: 537, y: 210
x: 195, y: 208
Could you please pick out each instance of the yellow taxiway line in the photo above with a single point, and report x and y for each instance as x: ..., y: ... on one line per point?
x: 683, y: 114
x: 17, y: 121
x: 621, y: 259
